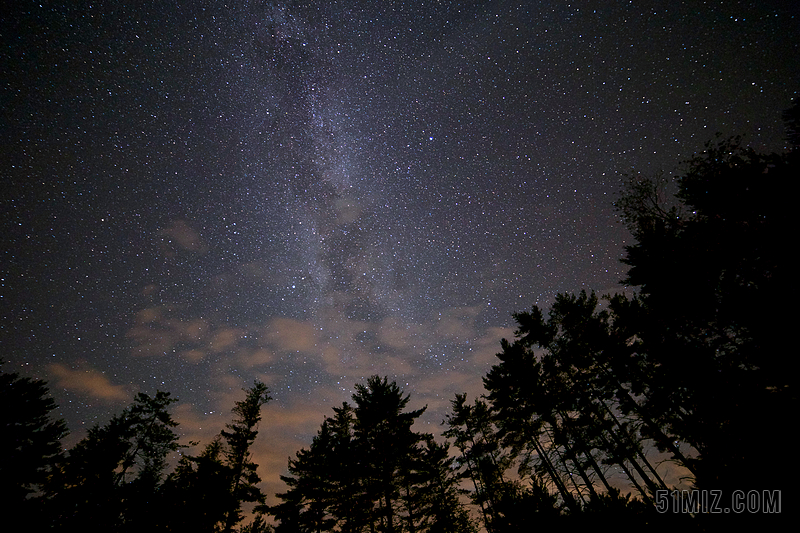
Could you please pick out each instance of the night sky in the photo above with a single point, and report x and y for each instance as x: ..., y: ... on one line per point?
x: 197, y: 194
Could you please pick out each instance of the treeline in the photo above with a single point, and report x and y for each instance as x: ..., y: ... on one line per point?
x: 367, y: 470
x: 692, y: 364
x: 115, y: 479
x: 691, y: 368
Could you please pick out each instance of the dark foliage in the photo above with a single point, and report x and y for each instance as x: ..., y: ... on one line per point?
x: 694, y: 364
x: 367, y: 470
x: 115, y: 479
x: 30, y: 445
x: 709, y: 317
x: 206, y: 493
x: 113, y: 472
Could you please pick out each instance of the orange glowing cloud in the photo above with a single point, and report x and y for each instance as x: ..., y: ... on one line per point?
x: 286, y: 334
x: 89, y: 382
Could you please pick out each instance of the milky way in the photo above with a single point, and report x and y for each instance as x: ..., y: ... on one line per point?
x: 201, y: 194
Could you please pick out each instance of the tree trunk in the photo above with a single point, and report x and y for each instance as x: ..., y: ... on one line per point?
x: 569, y: 500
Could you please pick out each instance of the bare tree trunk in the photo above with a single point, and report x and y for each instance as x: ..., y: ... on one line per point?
x: 621, y: 462
x: 569, y: 500
x: 588, y: 455
x: 651, y: 485
x: 566, y: 467
x: 629, y: 403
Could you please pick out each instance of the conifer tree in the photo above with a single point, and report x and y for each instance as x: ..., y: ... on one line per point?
x: 239, y: 437
x: 206, y: 493
x: 30, y: 446
x: 196, y: 493
x: 383, y: 437
x: 367, y: 470
x: 117, y: 469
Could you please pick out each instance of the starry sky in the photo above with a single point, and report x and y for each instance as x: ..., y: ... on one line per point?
x: 198, y: 194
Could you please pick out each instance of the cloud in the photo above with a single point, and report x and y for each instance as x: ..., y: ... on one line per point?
x: 487, y: 346
x: 193, y: 356
x: 456, y: 323
x: 225, y: 339
x: 283, y: 431
x: 157, y: 332
x: 89, y: 382
x: 286, y: 334
x: 149, y: 315
x: 179, y: 237
x: 196, y: 426
x: 398, y: 335
x: 324, y: 356
x: 194, y: 330
x: 152, y: 333
x: 253, y: 358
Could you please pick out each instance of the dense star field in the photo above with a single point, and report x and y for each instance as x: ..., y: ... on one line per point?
x: 199, y: 194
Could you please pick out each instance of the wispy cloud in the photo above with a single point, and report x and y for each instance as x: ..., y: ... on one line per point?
x: 290, y: 335
x: 89, y: 382
x: 179, y: 237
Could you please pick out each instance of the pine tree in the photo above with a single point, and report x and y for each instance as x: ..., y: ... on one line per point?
x: 573, y: 392
x: 484, y: 460
x: 438, y: 495
x: 367, y: 470
x: 117, y: 469
x: 196, y: 493
x: 383, y: 438
x: 239, y: 437
x: 206, y: 493
x: 517, y: 394
x: 30, y: 446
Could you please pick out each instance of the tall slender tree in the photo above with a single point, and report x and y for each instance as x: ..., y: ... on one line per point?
x: 439, y: 508
x: 239, y: 437
x: 484, y: 460
x: 571, y: 390
x: 206, y: 493
x: 517, y: 396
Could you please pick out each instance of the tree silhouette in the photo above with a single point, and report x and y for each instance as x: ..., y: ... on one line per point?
x: 709, y: 321
x: 324, y: 491
x: 239, y: 437
x: 436, y: 493
x: 117, y: 468
x: 30, y: 446
x: 115, y: 478
x: 205, y: 493
x: 367, y: 470
x: 484, y: 461
x: 382, y: 435
x: 197, y: 494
